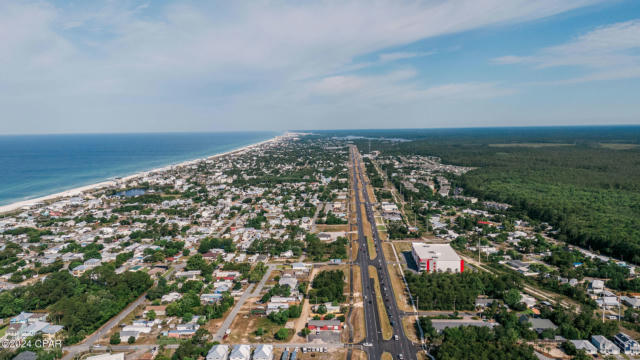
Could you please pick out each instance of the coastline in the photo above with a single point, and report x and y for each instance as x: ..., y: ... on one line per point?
x: 4, y: 209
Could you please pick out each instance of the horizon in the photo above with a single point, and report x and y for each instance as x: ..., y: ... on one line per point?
x: 186, y: 66
x: 329, y: 130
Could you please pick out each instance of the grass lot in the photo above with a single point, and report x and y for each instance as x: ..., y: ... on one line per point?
x: 398, y: 288
x: 372, y: 248
x: 3, y: 330
x: 531, y: 145
x: 385, y: 325
x: 619, y: 146
x: 358, y: 355
x: 408, y: 322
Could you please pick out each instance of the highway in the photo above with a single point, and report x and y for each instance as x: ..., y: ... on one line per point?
x: 372, y: 323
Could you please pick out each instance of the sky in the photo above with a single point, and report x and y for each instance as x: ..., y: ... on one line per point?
x: 162, y: 66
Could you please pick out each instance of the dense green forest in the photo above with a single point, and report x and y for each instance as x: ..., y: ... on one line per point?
x: 81, y: 304
x: 583, y: 180
x: 443, y: 291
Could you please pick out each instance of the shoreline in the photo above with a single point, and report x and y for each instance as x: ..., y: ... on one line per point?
x: 19, y: 205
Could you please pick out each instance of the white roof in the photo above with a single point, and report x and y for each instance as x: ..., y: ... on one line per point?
x: 263, y: 351
x: 435, y: 251
x: 240, y: 352
x: 218, y: 352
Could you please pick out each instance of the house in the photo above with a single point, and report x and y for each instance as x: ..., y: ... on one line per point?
x: 189, y: 275
x: 240, y: 352
x: 596, y: 286
x: 263, y: 352
x: 631, y: 301
x: 125, y: 335
x: 218, y: 352
x: 585, y: 345
x: 14, y: 330
x: 26, y: 355
x: 324, y: 325
x: 519, y: 266
x: 107, y: 356
x: 483, y: 302
x: 627, y: 344
x: 171, y: 297
x: 51, y: 331
x: 604, y: 345
x: 291, y: 281
x: 537, y: 324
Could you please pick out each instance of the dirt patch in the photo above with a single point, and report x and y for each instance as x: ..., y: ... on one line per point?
x: 386, y: 356
x: 409, y: 328
x: 358, y: 355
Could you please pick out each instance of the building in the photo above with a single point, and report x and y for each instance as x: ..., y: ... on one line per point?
x: 627, y: 344
x: 263, y: 352
x: 585, y: 345
x: 539, y: 325
x: 218, y: 352
x: 240, y: 352
x: 436, y: 257
x: 107, y: 356
x: 604, y: 345
x: 631, y: 301
x: 324, y: 325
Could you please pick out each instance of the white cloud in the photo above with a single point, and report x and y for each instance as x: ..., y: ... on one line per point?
x: 607, y: 52
x: 94, y: 63
x: 402, y: 55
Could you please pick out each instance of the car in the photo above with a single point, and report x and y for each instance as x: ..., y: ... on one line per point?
x: 396, y: 337
x: 400, y: 356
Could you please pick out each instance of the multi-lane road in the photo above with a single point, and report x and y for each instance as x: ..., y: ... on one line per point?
x: 402, y: 347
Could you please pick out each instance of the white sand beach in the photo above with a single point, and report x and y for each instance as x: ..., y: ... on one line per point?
x: 25, y: 204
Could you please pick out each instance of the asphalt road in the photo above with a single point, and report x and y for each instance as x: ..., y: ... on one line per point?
x: 372, y: 323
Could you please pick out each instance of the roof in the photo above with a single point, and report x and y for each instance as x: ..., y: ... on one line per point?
x: 218, y: 351
x: 324, y: 322
x: 26, y: 355
x: 241, y: 351
x: 263, y: 352
x: 435, y: 251
x: 539, y: 324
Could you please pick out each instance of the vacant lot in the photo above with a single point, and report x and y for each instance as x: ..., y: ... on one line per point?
x: 399, y: 289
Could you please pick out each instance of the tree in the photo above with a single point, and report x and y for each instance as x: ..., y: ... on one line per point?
x: 282, y: 334
x: 131, y: 340
x: 259, y: 331
x: 115, y: 339
x: 306, y: 331
x: 151, y: 315
x: 322, y: 309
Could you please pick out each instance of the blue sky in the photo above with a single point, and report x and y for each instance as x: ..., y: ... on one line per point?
x: 148, y: 66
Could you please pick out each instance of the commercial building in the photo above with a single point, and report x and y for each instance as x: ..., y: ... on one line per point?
x: 436, y: 257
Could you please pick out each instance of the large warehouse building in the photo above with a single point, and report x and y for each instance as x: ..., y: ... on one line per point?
x: 436, y: 257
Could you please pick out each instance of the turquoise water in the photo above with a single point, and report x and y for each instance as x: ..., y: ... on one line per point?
x: 32, y: 166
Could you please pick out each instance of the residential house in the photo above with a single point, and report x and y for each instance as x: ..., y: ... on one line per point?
x: 218, y: 352
x: 604, y: 345
x: 263, y: 352
x: 585, y: 345
x: 240, y: 352
x: 627, y: 344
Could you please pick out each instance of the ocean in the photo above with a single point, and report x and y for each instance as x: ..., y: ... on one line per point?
x: 33, y: 166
